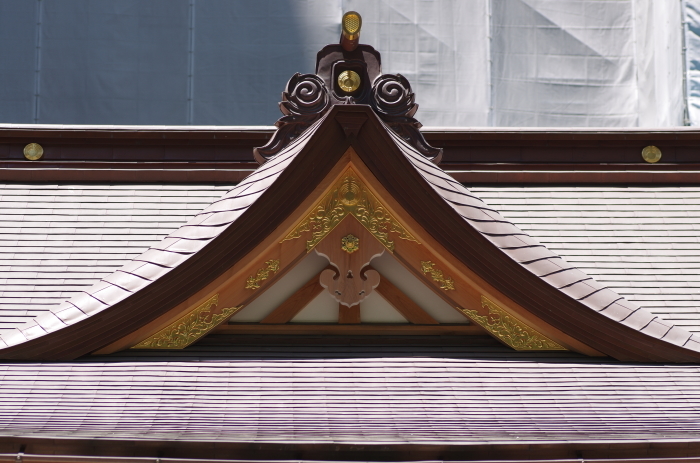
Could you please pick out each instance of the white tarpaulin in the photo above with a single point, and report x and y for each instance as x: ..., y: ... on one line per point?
x: 470, y: 62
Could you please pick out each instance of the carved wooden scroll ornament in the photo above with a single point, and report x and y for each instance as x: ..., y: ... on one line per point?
x: 395, y: 104
x: 304, y: 101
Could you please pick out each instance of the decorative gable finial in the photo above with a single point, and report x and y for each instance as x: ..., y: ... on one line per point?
x: 347, y: 73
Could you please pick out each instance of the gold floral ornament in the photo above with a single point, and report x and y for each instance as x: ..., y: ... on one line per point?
x: 509, y: 329
x: 189, y: 328
x: 349, y: 196
x: 350, y: 243
x: 446, y: 283
x: 253, y: 281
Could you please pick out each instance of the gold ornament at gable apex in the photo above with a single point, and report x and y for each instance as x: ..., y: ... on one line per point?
x: 349, y: 196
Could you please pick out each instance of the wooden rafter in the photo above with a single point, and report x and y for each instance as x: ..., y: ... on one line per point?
x: 295, y: 303
x: 404, y: 304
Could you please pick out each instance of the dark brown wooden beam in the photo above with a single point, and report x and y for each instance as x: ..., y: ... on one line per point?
x: 296, y: 302
x: 360, y: 330
x: 404, y: 304
x: 91, y: 450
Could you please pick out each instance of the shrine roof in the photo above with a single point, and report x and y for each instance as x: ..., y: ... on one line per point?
x: 574, y: 286
x: 326, y: 391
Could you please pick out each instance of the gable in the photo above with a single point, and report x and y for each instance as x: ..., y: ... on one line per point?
x: 503, y: 280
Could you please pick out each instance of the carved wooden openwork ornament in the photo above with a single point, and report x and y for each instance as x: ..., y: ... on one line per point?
x: 349, y: 249
x: 347, y: 73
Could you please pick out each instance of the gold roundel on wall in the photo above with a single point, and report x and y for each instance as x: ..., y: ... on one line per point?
x: 651, y: 154
x: 349, y: 81
x: 33, y: 151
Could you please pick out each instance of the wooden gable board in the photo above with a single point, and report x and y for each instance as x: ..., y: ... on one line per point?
x: 503, y: 257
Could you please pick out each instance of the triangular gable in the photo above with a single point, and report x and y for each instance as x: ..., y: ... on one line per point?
x: 497, y: 270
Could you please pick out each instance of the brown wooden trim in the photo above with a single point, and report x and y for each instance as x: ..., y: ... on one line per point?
x: 663, y: 177
x: 349, y: 315
x: 363, y: 329
x: 125, y: 175
x: 296, y: 302
x: 404, y: 304
x: 45, y: 450
x: 232, y: 173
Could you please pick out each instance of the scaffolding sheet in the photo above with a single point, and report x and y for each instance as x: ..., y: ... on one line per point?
x: 614, y: 63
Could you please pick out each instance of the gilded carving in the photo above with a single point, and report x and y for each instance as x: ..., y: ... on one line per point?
x: 350, y: 243
x: 253, y: 281
x: 349, y: 196
x: 509, y: 329
x: 188, y: 328
x: 446, y: 283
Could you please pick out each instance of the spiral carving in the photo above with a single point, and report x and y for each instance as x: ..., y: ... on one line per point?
x: 305, y: 94
x: 304, y: 100
x: 395, y: 103
x: 392, y: 96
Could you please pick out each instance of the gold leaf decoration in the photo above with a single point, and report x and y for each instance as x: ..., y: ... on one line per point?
x: 271, y: 266
x: 188, y: 328
x: 349, y: 196
x: 350, y: 243
x: 509, y: 329
x: 446, y: 283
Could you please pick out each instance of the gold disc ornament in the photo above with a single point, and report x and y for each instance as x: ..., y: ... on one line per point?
x: 33, y: 151
x: 349, y: 81
x: 651, y: 154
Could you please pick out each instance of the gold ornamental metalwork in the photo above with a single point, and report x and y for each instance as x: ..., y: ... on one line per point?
x: 651, y: 154
x: 253, y: 281
x: 349, y: 81
x: 351, y: 23
x: 446, y: 283
x: 510, y: 330
x: 350, y: 243
x: 189, y: 328
x: 33, y: 151
x: 349, y: 196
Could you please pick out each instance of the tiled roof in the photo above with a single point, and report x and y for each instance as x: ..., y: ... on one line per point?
x: 329, y: 393
x: 643, y: 242
x: 543, y: 261
x: 161, y: 257
x: 57, y: 240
